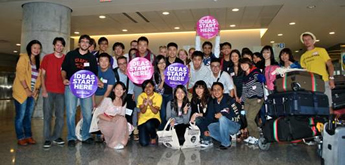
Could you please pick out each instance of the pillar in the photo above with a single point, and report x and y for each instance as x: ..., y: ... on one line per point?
x: 43, y: 21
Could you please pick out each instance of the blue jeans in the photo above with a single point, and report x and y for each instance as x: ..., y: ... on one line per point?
x: 222, y: 130
x: 22, y: 121
x: 202, y: 123
x: 166, y: 99
x: 71, y: 107
x: 147, y: 131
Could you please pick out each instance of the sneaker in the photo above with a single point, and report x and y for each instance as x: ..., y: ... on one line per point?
x: 88, y: 141
x: 253, y: 140
x: 206, y: 144
x: 119, y: 147
x: 59, y: 141
x: 47, y: 144
x: 223, y: 147
x: 71, y: 143
x: 248, y: 139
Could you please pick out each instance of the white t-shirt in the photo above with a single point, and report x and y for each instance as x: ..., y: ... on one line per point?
x: 224, y: 78
x: 202, y: 74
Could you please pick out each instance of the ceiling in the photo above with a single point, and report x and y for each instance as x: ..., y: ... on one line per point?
x: 327, y: 16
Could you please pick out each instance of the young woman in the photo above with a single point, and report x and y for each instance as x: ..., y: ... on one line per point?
x: 247, y: 53
x: 270, y: 65
x: 25, y: 90
x: 236, y: 73
x: 286, y: 59
x: 200, y: 99
x: 258, y: 60
x: 183, y: 55
x: 149, y: 103
x: 179, y: 111
x: 252, y: 96
x: 158, y: 76
x: 112, y: 121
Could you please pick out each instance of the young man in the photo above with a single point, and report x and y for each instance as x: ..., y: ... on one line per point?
x: 172, y: 54
x: 92, y: 48
x: 198, y: 71
x: 143, y: 50
x: 103, y: 44
x: 317, y: 60
x: 207, y: 50
x: 107, y: 76
x: 119, y: 50
x: 163, y: 50
x: 220, y: 76
x: 53, y: 93
x: 225, y: 112
x: 134, y: 44
x: 75, y: 60
x: 225, y: 62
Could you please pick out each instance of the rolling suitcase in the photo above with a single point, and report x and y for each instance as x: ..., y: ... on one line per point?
x: 338, y: 98
x: 300, y: 80
x: 297, y: 103
x: 333, y: 147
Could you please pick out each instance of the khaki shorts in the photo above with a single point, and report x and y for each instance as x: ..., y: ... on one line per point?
x: 328, y: 92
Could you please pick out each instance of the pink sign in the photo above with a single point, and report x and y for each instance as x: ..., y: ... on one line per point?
x: 207, y: 27
x: 139, y: 69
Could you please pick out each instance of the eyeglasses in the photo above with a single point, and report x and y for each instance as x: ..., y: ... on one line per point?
x: 215, y: 66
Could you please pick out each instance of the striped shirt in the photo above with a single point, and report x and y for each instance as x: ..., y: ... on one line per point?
x: 34, y: 76
x: 252, y: 87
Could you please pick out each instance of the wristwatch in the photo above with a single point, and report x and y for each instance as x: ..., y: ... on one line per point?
x: 331, y: 78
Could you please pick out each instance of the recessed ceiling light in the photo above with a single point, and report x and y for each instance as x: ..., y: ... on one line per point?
x: 124, y: 30
x: 280, y: 34
x: 233, y: 25
x: 296, y: 51
x: 176, y: 28
x: 102, y: 16
x: 292, y: 23
x: 317, y: 40
x: 76, y: 32
x: 311, y: 7
x: 331, y: 33
x: 235, y: 9
x: 18, y: 44
x: 165, y: 13
x: 15, y: 51
x: 272, y: 42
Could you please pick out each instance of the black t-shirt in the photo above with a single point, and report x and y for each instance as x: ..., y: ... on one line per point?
x: 167, y: 88
x: 74, y: 62
x: 226, y: 66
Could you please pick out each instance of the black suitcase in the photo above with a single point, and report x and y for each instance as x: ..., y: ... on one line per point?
x: 338, y: 98
x: 297, y: 103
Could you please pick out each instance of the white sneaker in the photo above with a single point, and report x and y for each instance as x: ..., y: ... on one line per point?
x: 248, y: 139
x: 206, y: 144
x: 253, y: 140
x: 119, y: 147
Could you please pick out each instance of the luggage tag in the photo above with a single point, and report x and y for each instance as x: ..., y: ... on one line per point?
x: 129, y: 112
x: 86, y: 64
x: 315, y: 53
x: 253, y: 87
x: 232, y: 74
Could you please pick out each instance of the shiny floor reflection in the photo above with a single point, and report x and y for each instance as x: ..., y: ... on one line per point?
x: 134, y: 154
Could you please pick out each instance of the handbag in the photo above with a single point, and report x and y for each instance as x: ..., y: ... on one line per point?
x: 168, y: 137
x: 191, y: 136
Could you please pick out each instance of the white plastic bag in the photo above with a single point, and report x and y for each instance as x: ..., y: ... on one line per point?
x: 191, y: 136
x: 168, y: 137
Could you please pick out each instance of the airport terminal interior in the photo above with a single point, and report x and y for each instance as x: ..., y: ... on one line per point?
x: 243, y: 23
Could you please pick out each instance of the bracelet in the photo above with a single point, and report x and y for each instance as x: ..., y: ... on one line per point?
x: 26, y: 87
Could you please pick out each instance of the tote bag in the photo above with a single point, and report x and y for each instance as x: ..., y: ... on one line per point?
x: 168, y: 137
x: 191, y: 136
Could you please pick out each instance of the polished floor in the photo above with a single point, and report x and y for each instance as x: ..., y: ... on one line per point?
x: 134, y: 154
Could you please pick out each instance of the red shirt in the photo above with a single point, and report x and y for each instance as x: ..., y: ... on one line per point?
x: 53, y: 80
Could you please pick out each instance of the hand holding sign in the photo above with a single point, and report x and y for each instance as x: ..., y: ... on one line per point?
x: 139, y: 69
x: 207, y: 27
x: 83, y: 84
x: 176, y: 74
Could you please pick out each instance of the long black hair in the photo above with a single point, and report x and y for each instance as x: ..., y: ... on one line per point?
x: 123, y: 97
x: 205, y: 96
x: 267, y: 47
x: 232, y: 64
x: 156, y: 69
x: 185, y: 101
x: 28, y: 50
x: 287, y: 51
x: 261, y: 63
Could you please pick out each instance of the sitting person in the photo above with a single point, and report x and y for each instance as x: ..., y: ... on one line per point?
x: 110, y: 116
x: 225, y: 112
x: 149, y: 103
x: 286, y: 59
x: 200, y: 99
x: 178, y: 110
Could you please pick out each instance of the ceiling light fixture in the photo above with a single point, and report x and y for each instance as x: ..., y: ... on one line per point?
x: 233, y: 25
x: 76, y: 32
x: 292, y: 23
x: 235, y: 9
x: 15, y: 51
x: 317, y: 40
x: 296, y: 51
x: 124, y: 30
x: 280, y: 34
x: 311, y: 7
x: 102, y: 16
x: 18, y: 44
x: 165, y: 13
x: 176, y: 28
x: 272, y: 42
x: 331, y: 33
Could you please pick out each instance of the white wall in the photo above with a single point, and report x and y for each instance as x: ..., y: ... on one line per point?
x: 238, y: 38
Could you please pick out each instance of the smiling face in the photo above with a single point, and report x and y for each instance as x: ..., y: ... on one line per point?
x: 182, y: 55
x: 197, y: 61
x: 215, y: 67
x: 226, y: 50
x: 245, y: 67
x: 104, y: 62
x: 267, y: 54
x: 285, y: 57
x: 180, y: 94
x: 207, y: 49
x: 103, y: 46
x: 172, y: 51
x: 84, y: 44
x: 308, y: 41
x: 58, y: 47
x: 217, y: 91
x: 235, y: 57
x: 119, y: 91
x: 118, y: 51
x: 199, y: 91
x: 122, y: 63
x: 142, y: 47
x: 161, y: 64
x: 149, y: 89
x: 35, y: 49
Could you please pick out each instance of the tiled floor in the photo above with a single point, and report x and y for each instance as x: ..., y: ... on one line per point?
x: 11, y: 153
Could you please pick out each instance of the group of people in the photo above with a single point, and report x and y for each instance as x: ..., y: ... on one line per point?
x: 219, y: 88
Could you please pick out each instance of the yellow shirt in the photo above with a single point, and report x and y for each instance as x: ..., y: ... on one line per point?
x: 157, y: 102
x: 315, y: 61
